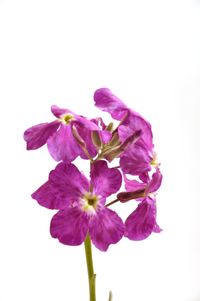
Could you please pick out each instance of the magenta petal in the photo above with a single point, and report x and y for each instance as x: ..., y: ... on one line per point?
x: 85, y: 134
x: 141, y: 222
x: 67, y: 177
x: 155, y: 182
x: 58, y: 112
x: 135, y: 160
x: 88, y: 124
x: 51, y: 197
x: 105, y: 228
x: 135, y: 122
x: 65, y: 186
x: 133, y: 185
x: 70, y: 226
x: 105, y: 136
x: 105, y: 180
x: 62, y: 145
x: 106, y: 101
x: 124, y: 132
x: 37, y: 135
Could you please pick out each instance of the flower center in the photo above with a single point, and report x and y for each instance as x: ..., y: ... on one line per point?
x: 154, y: 161
x: 67, y: 118
x: 89, y: 202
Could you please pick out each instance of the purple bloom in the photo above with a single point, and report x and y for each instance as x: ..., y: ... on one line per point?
x: 63, y: 136
x: 142, y: 221
x: 81, y: 204
x: 130, y: 120
x: 137, y: 158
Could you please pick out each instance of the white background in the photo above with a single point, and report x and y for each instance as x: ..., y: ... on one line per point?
x: 59, y: 52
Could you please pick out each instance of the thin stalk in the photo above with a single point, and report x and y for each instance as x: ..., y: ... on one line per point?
x: 110, y: 296
x: 113, y: 202
x: 90, y: 269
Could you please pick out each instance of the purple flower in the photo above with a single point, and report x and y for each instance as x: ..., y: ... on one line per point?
x: 130, y: 121
x: 142, y: 221
x: 138, y: 157
x: 63, y: 136
x: 81, y: 204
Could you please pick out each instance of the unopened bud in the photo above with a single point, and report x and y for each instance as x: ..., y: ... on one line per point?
x: 127, y: 196
x: 115, y: 150
x: 114, y: 140
x: 112, y: 153
x: 110, y: 127
x: 96, y: 139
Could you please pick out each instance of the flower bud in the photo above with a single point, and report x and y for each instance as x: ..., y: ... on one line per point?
x: 127, y: 196
x: 110, y: 127
x: 113, y: 152
x: 96, y: 139
x: 114, y: 140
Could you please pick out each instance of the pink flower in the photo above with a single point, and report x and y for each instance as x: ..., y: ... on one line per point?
x: 137, y: 158
x: 63, y: 136
x: 142, y: 221
x: 81, y: 204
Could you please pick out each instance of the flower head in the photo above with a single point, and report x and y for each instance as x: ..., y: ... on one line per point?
x: 137, y: 157
x: 142, y: 221
x: 64, y: 136
x: 81, y: 204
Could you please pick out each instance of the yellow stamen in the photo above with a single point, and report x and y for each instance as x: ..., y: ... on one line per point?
x: 66, y: 119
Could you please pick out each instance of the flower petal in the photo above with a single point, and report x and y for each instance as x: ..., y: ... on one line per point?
x: 105, y: 180
x: 62, y: 145
x: 65, y: 186
x: 58, y: 112
x: 51, y: 196
x: 133, y: 185
x: 85, y: 134
x: 69, y: 178
x: 70, y: 226
x: 136, y: 122
x: 106, y: 101
x: 141, y: 222
x: 37, y: 135
x: 105, y: 228
x: 135, y: 160
x: 88, y: 124
x: 155, y: 182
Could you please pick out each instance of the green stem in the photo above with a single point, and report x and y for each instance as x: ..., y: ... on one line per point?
x: 91, y: 275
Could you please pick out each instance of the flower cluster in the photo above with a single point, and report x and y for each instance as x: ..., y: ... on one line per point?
x: 81, y: 203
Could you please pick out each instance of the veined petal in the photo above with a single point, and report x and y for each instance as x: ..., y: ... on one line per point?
x: 65, y: 186
x: 51, y: 196
x: 105, y: 180
x: 88, y: 124
x: 105, y: 136
x: 62, y: 145
x: 141, y: 222
x: 137, y: 122
x: 155, y: 182
x: 133, y: 185
x: 85, y: 134
x: 135, y: 160
x: 105, y: 228
x: 70, y: 178
x: 37, y: 135
x: 106, y: 101
x: 58, y: 112
x: 70, y: 226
